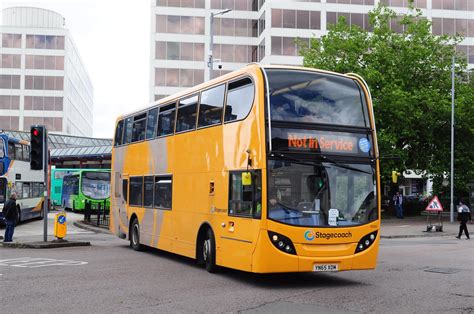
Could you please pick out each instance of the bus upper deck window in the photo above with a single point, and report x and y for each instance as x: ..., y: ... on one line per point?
x: 118, y: 133
x: 240, y: 97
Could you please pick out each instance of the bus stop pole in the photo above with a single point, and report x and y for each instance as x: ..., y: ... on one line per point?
x: 46, y: 188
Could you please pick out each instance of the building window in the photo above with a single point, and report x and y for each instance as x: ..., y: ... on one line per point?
x: 44, y: 82
x: 9, y: 123
x: 11, y: 61
x: 180, y: 24
x: 354, y: 19
x: 43, y: 103
x: 178, y: 77
x: 198, y: 4
x: 10, y: 81
x: 44, y: 62
x: 9, y: 102
x: 44, y: 42
x: 238, y: 5
x: 11, y: 40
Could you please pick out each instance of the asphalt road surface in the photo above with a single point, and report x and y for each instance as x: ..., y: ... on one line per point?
x: 416, y: 275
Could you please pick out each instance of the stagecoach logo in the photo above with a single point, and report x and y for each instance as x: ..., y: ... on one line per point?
x: 310, y: 235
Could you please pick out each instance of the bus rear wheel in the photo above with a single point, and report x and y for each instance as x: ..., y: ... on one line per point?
x: 134, y: 235
x: 18, y: 216
x: 209, y: 251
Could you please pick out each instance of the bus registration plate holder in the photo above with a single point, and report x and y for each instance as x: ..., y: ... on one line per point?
x: 325, y: 267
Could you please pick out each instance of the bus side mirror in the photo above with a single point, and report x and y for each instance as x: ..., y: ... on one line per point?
x: 246, y: 178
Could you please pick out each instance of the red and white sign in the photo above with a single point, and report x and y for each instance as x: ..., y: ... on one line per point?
x: 435, y: 205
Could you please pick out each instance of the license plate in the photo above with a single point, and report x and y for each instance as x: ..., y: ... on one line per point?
x: 325, y: 267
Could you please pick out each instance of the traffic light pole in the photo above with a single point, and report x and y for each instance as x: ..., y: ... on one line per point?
x: 46, y: 187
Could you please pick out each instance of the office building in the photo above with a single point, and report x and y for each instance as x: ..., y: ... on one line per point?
x: 42, y: 79
x: 265, y: 31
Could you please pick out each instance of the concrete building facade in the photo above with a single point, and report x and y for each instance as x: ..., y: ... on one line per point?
x: 265, y: 31
x: 42, y: 77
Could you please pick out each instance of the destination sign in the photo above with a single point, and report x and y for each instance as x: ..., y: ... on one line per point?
x: 320, y: 142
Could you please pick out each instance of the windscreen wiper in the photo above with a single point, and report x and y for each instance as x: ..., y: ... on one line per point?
x: 341, y: 165
x: 296, y: 161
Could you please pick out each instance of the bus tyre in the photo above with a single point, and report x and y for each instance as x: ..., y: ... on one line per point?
x: 209, y: 251
x: 134, y: 235
x: 18, y: 216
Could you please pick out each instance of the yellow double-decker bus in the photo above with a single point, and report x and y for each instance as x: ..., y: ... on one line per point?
x: 266, y: 169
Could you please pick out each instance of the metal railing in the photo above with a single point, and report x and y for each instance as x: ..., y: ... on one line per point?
x: 97, y: 214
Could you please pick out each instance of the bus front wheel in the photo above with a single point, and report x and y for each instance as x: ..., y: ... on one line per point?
x: 134, y: 235
x: 209, y: 251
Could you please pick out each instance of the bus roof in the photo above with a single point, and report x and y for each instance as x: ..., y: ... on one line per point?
x: 5, y: 137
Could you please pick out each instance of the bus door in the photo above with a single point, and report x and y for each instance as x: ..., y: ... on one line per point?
x: 241, y: 226
x: 122, y: 203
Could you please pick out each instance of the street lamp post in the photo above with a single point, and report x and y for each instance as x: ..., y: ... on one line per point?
x: 210, y: 62
x: 451, y: 209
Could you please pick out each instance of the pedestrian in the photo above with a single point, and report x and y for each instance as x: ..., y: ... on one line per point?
x: 464, y: 215
x: 398, y: 201
x: 9, y: 214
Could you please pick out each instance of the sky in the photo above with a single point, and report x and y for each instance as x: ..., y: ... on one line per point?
x: 113, y: 39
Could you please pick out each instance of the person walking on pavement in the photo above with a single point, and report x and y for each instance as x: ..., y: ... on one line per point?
x: 398, y: 201
x: 464, y: 215
x: 9, y: 213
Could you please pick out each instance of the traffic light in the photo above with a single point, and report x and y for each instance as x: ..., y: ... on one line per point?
x: 37, y: 147
x: 395, y: 175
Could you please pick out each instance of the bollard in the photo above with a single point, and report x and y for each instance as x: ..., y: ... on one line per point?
x: 60, y: 226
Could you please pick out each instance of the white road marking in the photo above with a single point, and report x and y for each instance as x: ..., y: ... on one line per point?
x: 29, y: 262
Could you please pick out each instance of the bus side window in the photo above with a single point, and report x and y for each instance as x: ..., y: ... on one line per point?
x: 240, y: 97
x: 245, y: 200
x: 125, y: 190
x: 118, y: 134
x: 187, y: 112
x: 151, y: 123
x: 11, y: 151
x: 127, y: 132
x: 139, y: 122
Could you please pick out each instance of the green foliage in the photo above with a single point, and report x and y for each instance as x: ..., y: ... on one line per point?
x: 409, y: 75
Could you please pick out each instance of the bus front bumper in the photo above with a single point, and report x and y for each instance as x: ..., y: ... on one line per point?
x: 268, y: 259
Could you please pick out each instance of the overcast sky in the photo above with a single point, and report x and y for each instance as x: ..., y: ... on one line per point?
x: 113, y: 39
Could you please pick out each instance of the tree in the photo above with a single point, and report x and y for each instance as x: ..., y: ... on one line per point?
x: 409, y: 75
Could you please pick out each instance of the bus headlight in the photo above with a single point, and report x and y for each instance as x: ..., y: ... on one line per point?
x: 282, y: 243
x: 366, y: 242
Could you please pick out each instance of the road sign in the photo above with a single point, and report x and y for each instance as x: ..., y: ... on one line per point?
x: 434, y: 205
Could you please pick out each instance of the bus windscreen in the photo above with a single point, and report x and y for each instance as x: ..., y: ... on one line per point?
x: 314, y: 194
x: 309, y: 97
x: 96, y: 185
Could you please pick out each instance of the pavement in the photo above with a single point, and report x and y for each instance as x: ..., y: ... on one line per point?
x: 30, y: 234
x: 412, y: 227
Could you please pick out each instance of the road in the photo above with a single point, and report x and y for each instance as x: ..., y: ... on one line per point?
x: 415, y: 275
